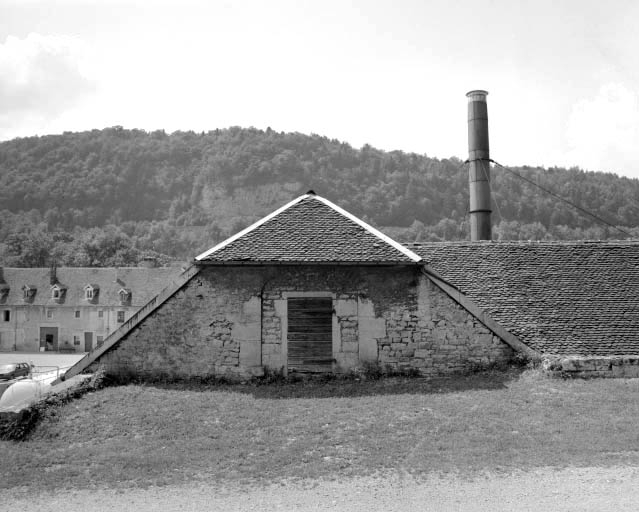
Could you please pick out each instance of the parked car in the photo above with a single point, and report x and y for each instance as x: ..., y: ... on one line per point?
x: 14, y: 370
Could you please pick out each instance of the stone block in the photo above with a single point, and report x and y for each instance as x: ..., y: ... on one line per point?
x: 346, y: 307
x: 251, y: 310
x: 618, y: 371
x: 631, y: 371
x: 569, y: 365
x: 346, y: 360
x: 271, y: 349
x: 602, y: 364
x: 350, y: 346
x: 250, y: 352
x: 246, y: 330
x: 485, y: 338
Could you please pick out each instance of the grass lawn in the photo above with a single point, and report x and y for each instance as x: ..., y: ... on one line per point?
x: 140, y: 435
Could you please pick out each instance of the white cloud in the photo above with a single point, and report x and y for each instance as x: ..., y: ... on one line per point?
x: 40, y: 78
x: 603, y: 132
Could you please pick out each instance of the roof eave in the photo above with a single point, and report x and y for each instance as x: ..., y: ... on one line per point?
x: 261, y: 263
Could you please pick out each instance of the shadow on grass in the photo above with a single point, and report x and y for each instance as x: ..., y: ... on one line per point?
x: 337, y: 387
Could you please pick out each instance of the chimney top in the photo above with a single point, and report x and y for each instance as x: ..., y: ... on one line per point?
x: 477, y: 95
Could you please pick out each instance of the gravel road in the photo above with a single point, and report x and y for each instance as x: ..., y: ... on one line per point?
x: 572, y: 489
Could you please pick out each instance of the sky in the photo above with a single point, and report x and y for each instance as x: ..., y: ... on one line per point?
x: 562, y: 76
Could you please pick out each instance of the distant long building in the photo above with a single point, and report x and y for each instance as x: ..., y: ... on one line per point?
x: 72, y: 309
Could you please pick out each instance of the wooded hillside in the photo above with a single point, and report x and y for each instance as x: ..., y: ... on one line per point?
x: 107, y: 197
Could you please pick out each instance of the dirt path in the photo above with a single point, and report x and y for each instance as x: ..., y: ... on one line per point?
x: 573, y: 489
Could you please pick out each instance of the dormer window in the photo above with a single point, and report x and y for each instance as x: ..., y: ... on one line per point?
x: 91, y: 292
x: 58, y: 292
x: 28, y: 292
x: 125, y: 295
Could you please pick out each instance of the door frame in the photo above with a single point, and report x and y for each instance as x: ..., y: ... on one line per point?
x: 336, y: 337
x: 56, y: 336
x: 90, y: 340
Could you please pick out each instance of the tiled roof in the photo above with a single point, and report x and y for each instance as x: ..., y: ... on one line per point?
x: 310, y: 229
x: 557, y: 297
x: 145, y: 283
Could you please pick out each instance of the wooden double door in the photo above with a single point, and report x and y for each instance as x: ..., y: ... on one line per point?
x: 310, y: 334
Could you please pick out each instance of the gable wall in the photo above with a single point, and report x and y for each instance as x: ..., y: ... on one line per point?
x: 232, y: 321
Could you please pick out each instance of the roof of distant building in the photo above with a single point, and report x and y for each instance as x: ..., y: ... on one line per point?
x: 145, y: 283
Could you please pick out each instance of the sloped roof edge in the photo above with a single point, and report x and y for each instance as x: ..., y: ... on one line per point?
x: 405, y: 251
x: 397, y: 246
x: 481, y: 314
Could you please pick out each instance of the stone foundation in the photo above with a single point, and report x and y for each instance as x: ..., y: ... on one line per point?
x: 586, y: 367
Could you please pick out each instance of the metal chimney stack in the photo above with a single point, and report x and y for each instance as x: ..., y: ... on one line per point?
x: 479, y: 168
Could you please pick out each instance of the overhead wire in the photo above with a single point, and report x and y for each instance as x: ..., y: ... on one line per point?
x: 461, y: 224
x: 494, y: 197
x: 557, y: 196
x: 492, y: 192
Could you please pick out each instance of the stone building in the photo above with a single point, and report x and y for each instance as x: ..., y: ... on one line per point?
x: 311, y: 288
x: 71, y: 309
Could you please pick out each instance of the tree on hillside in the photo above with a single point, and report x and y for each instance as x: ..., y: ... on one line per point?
x: 179, y: 193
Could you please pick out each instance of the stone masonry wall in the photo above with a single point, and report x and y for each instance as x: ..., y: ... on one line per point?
x: 211, y: 327
x: 438, y: 337
x: 232, y: 321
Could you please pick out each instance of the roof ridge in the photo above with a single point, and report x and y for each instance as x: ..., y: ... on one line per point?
x: 633, y: 241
